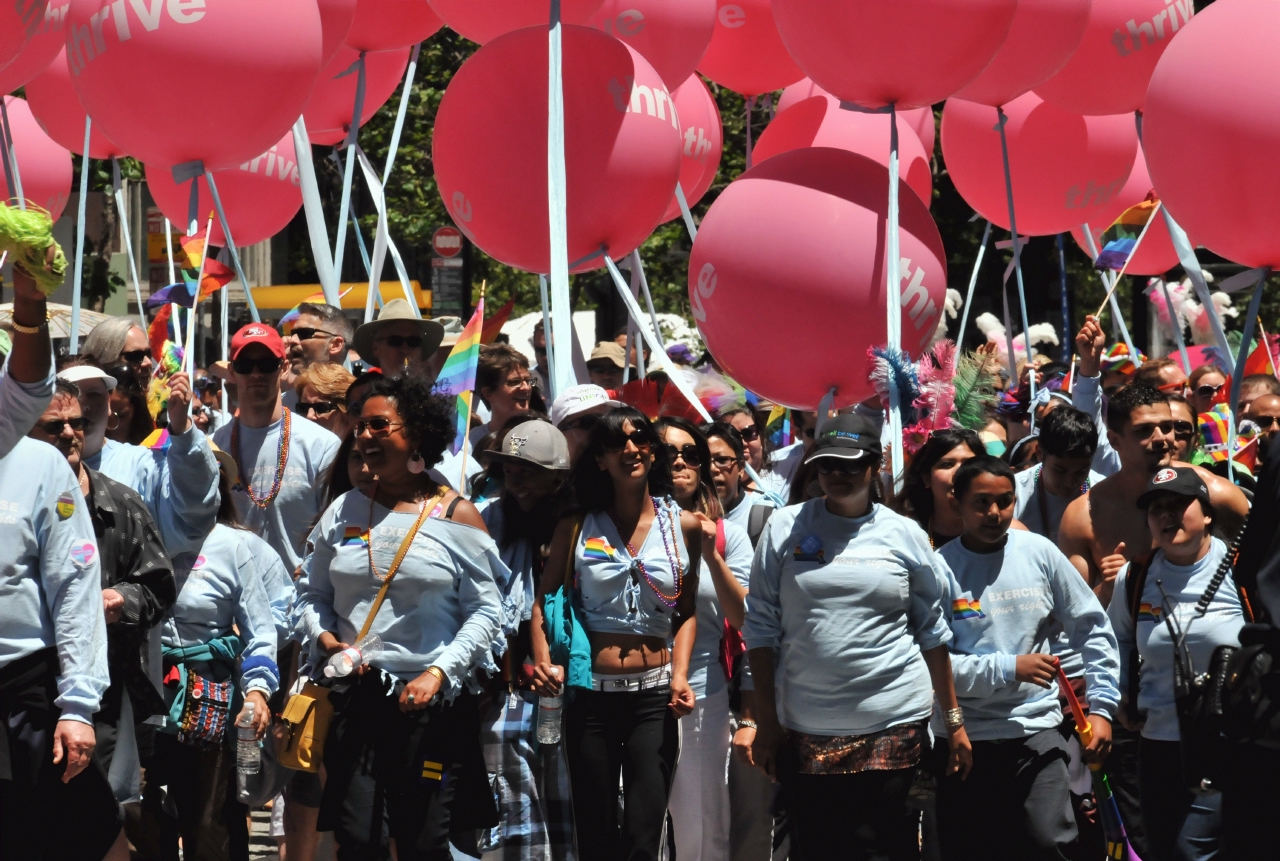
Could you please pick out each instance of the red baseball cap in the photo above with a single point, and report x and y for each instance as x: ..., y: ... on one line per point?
x: 257, y: 333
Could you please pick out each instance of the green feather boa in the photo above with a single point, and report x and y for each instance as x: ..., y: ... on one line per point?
x: 26, y: 236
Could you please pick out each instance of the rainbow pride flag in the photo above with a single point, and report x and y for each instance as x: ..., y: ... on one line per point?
x: 1262, y: 359
x: 354, y: 536
x: 458, y: 376
x: 967, y: 608
x: 1148, y: 612
x: 1214, y: 428
x: 1121, y: 237
x: 598, y: 548
x: 158, y: 440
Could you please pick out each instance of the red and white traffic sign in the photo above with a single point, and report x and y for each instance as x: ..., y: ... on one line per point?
x: 447, y: 241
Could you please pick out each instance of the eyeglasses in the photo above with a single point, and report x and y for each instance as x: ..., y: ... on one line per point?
x: 376, y: 426
x: 54, y: 427
x: 1264, y: 422
x: 395, y: 342
x: 207, y: 384
x: 1208, y: 391
x: 322, y: 408
x: 750, y: 433
x: 581, y: 423
x: 245, y: 367
x: 305, y: 333
x: 638, y: 438
x: 518, y: 382
x: 809, y: 432
x: 828, y: 466
x: 1183, y: 430
x: 688, y: 453
x: 135, y: 357
x: 724, y: 462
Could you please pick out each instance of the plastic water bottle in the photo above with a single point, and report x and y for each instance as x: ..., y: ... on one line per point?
x: 548, y: 729
x: 248, y: 753
x: 344, y: 663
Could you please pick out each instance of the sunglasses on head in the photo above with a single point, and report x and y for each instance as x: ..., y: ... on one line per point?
x: 306, y: 333
x: 636, y: 437
x: 133, y: 357
x: 54, y: 427
x: 750, y: 433
x: 322, y: 408
x: 395, y: 342
x: 828, y: 466
x: 376, y: 426
x: 688, y: 453
x: 244, y: 367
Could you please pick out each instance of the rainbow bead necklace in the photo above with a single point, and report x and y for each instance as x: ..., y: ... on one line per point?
x: 282, y: 457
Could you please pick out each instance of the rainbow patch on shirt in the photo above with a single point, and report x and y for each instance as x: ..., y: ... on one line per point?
x: 354, y: 536
x: 1148, y: 612
x: 598, y: 548
x: 967, y: 608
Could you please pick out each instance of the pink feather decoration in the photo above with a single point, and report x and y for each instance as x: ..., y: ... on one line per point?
x: 936, y: 371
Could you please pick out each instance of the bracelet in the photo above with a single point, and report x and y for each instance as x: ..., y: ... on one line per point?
x: 748, y: 723
x: 30, y: 330
x: 439, y: 674
x: 953, y: 718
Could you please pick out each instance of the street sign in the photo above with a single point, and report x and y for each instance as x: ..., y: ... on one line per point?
x: 447, y: 241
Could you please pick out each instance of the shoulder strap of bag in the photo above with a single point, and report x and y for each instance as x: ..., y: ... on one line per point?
x: 395, y: 563
x: 757, y: 519
x: 571, y: 556
x: 1134, y: 583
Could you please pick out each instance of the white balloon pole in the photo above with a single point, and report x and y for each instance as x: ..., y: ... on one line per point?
x: 317, y: 230
x: 77, y: 276
x: 557, y: 206
x: 122, y: 209
x: 893, y: 299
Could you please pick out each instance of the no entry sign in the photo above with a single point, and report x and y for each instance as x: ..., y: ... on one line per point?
x: 447, y: 241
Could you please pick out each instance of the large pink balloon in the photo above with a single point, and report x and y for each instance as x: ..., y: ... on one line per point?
x: 44, y: 166
x: 622, y: 148
x: 820, y: 121
x: 54, y: 104
x: 482, y: 20
x: 328, y: 114
x: 746, y: 53
x: 795, y: 247
x: 1211, y: 133
x: 1043, y: 37
x: 260, y: 197
x: 911, y: 53
x: 383, y: 24
x: 1155, y: 255
x: 701, y: 143
x: 18, y: 23
x: 1108, y: 73
x: 921, y: 120
x: 175, y: 82
x: 38, y: 52
x: 671, y: 36
x: 1067, y: 169
x: 335, y: 23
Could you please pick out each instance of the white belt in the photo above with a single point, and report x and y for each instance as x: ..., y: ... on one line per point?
x: 628, y: 682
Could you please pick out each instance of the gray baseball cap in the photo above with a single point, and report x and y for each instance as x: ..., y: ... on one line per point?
x: 535, y: 442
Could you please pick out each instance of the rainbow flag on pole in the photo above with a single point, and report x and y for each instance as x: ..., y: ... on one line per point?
x: 1119, y: 240
x: 458, y: 376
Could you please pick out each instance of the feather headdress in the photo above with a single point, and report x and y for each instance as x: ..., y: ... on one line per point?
x: 975, y: 391
x: 895, y: 368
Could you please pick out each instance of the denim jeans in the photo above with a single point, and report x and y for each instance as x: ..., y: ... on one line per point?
x: 1181, y: 825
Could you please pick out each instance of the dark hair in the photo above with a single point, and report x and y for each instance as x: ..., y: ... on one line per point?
x: 592, y: 486
x: 364, y: 378
x: 332, y: 317
x: 1132, y: 397
x: 766, y: 444
x: 65, y: 387
x: 915, y: 500
x: 492, y: 475
x: 705, y: 499
x: 536, y: 525
x: 428, y: 418
x: 496, y: 361
x: 727, y: 432
x: 981, y: 465
x: 1068, y: 432
x: 338, y: 480
x: 227, y: 514
x: 1272, y: 384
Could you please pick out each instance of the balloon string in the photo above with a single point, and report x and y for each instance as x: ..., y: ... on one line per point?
x: 751, y: 106
x: 11, y: 158
x: 317, y: 230
x: 1177, y: 328
x: 1191, y: 265
x: 340, y: 246
x: 77, y: 278
x: 1001, y: 121
x: 973, y: 282
x: 1242, y: 357
x: 637, y: 270
x: 546, y: 333
x: 122, y: 209
x: 557, y: 205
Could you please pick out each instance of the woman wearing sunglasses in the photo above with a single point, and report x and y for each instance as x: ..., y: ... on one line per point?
x: 322, y: 392
x: 847, y: 637
x: 635, y: 555
x: 404, y: 743
x: 1205, y: 383
x: 757, y: 447
x: 699, y: 804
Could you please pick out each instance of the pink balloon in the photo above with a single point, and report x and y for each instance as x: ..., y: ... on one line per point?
x: 622, y: 149
x: 175, y: 82
x: 38, y: 52
x: 911, y: 53
x: 1043, y: 37
x: 260, y: 197
x: 52, y: 97
x: 1211, y: 134
x: 383, y: 24
x: 671, y: 36
x: 482, y: 20
x: 791, y: 247
x: 820, y: 121
x: 921, y: 120
x: 1155, y: 255
x: 44, y: 166
x: 328, y: 114
x: 1108, y: 73
x: 746, y: 53
x: 335, y: 23
x: 1067, y: 169
x: 701, y: 142
x: 18, y: 23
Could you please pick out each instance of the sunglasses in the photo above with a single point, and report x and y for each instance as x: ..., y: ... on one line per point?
x: 207, y: 384
x: 322, y: 408
x: 829, y: 466
x: 688, y: 453
x: 305, y: 333
x: 724, y: 462
x: 750, y: 433
x: 376, y: 426
x: 1207, y: 391
x: 1183, y: 430
x: 245, y: 367
x: 133, y: 357
x: 54, y: 428
x: 1264, y: 422
x: 395, y: 342
x: 637, y: 437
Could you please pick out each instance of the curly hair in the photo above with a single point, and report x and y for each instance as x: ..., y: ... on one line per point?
x: 592, y: 486
x: 915, y: 500
x: 428, y: 418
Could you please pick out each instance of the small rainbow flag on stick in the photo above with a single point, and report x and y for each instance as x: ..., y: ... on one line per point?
x: 458, y: 376
x: 1121, y: 238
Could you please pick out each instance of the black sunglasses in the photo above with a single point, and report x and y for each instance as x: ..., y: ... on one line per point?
x: 207, y: 384
x: 133, y: 357
x: 54, y: 428
x: 619, y: 443
x: 396, y: 341
x: 322, y: 408
x: 809, y: 432
x: 1264, y: 422
x: 688, y: 453
x: 1183, y: 430
x: 829, y: 465
x: 750, y: 433
x: 724, y: 461
x: 244, y: 367
x: 306, y: 333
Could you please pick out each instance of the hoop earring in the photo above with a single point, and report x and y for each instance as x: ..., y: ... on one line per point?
x: 417, y: 464
x: 111, y: 416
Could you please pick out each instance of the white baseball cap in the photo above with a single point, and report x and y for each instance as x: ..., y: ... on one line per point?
x: 80, y: 373
x: 579, y: 399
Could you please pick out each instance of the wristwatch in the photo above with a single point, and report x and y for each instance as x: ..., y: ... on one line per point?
x: 30, y: 330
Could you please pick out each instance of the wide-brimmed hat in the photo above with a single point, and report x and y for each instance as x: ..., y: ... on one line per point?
x: 396, y: 310
x: 452, y: 329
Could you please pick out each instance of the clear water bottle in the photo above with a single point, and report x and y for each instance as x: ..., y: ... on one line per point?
x: 344, y: 663
x: 248, y: 752
x: 549, y: 708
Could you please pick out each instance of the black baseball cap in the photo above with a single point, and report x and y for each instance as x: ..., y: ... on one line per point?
x: 1182, y: 480
x: 847, y: 437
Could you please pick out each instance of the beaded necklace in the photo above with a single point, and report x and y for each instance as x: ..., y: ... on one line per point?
x: 1044, y: 504
x: 673, y: 558
x: 282, y: 457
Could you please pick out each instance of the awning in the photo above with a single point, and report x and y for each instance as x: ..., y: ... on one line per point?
x: 282, y: 297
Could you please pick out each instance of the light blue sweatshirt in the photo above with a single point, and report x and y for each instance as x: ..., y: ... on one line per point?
x: 1024, y: 592
x: 21, y: 405
x: 705, y: 674
x: 1220, y: 626
x: 740, y: 514
x: 277, y: 581
x: 851, y: 603
x: 180, y: 485
x: 1086, y: 396
x: 517, y: 556
x: 50, y: 577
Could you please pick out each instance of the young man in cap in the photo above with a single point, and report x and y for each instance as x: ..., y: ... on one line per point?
x: 398, y: 341
x: 606, y: 364
x: 283, y: 462
x: 576, y: 412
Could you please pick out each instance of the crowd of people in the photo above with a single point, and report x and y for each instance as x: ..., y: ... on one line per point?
x: 596, y: 633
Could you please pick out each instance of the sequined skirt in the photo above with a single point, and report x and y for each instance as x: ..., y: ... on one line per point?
x: 900, y: 746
